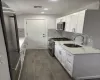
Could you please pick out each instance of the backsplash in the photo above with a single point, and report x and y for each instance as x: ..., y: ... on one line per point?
x: 21, y: 32
x: 52, y: 33
x: 67, y: 34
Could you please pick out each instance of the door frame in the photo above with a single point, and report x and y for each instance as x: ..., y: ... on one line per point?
x: 25, y: 27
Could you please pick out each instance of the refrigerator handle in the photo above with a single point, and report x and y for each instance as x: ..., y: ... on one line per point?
x: 16, y: 29
x: 17, y: 36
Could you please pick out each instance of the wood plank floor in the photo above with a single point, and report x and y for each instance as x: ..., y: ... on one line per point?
x: 39, y: 65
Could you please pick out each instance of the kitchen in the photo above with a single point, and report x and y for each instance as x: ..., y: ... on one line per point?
x: 64, y: 44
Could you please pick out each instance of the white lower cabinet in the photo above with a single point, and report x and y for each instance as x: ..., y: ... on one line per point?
x: 22, y: 56
x: 69, y: 67
x: 65, y: 58
x: 79, y: 66
x: 22, y: 52
x: 58, y: 53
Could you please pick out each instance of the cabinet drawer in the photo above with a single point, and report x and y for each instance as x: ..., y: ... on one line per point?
x: 56, y: 51
x: 69, y: 68
x: 70, y: 58
x: 60, y: 56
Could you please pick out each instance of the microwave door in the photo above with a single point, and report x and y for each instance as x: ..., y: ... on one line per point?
x: 59, y: 26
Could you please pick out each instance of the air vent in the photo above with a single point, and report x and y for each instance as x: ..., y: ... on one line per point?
x: 37, y: 6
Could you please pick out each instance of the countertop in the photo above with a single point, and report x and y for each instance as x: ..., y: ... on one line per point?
x: 81, y: 50
x: 21, y: 41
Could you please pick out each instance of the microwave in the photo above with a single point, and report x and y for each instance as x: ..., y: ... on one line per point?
x: 61, y: 26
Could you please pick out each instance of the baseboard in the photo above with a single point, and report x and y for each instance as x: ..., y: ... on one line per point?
x: 89, y: 77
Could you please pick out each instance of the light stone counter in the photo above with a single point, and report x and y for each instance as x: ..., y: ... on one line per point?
x: 80, y: 50
x: 21, y: 41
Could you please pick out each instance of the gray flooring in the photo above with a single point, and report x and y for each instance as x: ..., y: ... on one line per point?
x: 39, y: 65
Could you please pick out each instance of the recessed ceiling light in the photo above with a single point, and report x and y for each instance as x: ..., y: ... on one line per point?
x: 53, y: 0
x: 42, y: 12
x: 46, y: 9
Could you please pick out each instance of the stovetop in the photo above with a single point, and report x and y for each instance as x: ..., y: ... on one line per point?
x: 61, y: 39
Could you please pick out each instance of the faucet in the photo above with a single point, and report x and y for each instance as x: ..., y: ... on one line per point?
x: 81, y: 36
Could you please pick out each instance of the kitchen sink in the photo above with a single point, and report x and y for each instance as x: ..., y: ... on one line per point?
x: 72, y: 45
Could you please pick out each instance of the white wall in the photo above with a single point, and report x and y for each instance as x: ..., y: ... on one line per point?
x: 51, y: 20
x: 92, y: 26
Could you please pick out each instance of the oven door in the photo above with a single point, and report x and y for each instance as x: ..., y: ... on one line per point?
x: 51, y: 48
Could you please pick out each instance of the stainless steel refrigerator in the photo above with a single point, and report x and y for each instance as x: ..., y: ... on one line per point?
x: 10, y: 32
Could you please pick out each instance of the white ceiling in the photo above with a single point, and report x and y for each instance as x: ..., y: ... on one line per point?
x: 59, y: 7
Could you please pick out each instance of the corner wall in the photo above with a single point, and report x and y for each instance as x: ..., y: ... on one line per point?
x: 92, y: 26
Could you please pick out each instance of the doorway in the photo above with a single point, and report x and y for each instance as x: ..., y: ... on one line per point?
x: 37, y: 33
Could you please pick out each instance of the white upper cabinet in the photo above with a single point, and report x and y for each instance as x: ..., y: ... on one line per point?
x: 57, y: 20
x: 68, y: 23
x: 74, y: 22
x: 80, y: 24
x: 63, y: 19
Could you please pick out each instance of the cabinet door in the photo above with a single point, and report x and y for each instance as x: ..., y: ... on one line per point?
x: 67, y: 61
x: 58, y: 52
x: 80, y: 23
x: 69, y: 68
x: 73, y: 24
x: 60, y: 55
x: 68, y: 23
x: 57, y: 21
x: 64, y: 57
x: 62, y: 19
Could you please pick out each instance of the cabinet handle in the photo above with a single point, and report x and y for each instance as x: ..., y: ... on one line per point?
x: 69, y: 54
x: 68, y: 61
x: 60, y: 52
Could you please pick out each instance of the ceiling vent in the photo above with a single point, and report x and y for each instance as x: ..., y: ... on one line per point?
x: 37, y: 6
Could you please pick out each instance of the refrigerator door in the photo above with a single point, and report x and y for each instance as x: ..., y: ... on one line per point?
x: 10, y: 33
x: 12, y: 40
